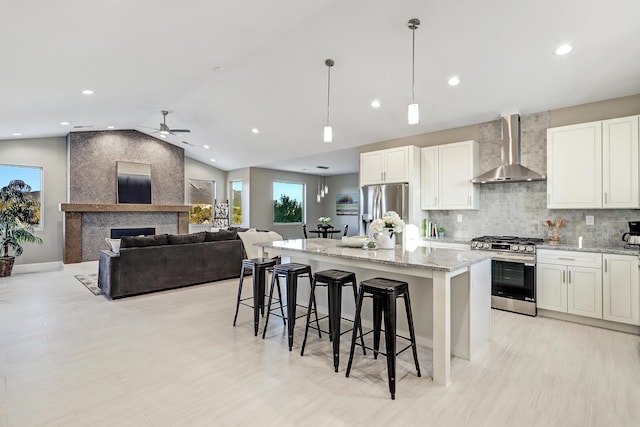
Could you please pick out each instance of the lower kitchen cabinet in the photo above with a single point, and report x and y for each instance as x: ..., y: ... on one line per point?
x: 621, y: 289
x: 570, y: 282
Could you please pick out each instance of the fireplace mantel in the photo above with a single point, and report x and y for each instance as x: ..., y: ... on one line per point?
x: 123, y: 207
x: 73, y: 213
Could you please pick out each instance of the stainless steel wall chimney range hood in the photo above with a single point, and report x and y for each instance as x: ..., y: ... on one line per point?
x: 510, y: 169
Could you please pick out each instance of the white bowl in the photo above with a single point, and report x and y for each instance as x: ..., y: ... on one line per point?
x: 354, y: 241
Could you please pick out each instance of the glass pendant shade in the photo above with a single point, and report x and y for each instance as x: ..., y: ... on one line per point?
x: 318, y: 198
x: 328, y: 134
x: 413, y: 114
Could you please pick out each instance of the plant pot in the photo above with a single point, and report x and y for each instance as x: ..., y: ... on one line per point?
x: 6, y: 266
x: 386, y: 239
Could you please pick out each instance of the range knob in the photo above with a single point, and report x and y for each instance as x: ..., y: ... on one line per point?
x: 486, y: 246
x: 529, y: 248
x: 522, y: 248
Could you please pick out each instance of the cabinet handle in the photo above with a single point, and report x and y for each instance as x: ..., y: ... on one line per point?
x: 605, y: 198
x: 605, y: 265
x: 566, y: 259
x: 569, y: 276
x: 564, y: 276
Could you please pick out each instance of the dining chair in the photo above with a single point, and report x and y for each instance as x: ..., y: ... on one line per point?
x: 304, y: 230
x: 346, y: 229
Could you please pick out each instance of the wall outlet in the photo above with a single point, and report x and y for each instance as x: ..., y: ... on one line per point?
x: 589, y: 219
x: 459, y: 217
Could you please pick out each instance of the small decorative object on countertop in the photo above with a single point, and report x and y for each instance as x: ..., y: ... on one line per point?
x: 555, y: 228
x: 384, y: 229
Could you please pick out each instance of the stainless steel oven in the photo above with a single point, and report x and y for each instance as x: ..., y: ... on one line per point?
x: 513, y: 272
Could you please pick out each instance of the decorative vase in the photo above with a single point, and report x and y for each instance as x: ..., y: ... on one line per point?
x: 386, y: 239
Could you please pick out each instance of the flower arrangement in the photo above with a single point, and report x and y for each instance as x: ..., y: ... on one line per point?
x: 389, y: 220
x: 555, y: 229
x: 324, y: 220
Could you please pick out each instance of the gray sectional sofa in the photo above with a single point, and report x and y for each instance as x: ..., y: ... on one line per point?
x: 155, y: 263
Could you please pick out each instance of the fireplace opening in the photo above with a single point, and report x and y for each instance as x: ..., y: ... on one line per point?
x: 117, y: 233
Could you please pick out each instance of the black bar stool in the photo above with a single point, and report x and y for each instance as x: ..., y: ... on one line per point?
x: 384, y: 293
x: 334, y: 280
x: 258, y: 267
x: 291, y: 272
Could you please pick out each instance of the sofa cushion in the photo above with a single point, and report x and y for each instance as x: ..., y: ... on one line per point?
x: 214, y: 236
x: 181, y: 239
x: 141, y: 241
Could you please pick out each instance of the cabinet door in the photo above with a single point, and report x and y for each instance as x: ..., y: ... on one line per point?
x: 584, y: 291
x: 429, y: 177
x: 456, y: 169
x: 621, y: 289
x: 371, y: 167
x: 574, y: 166
x: 620, y: 163
x: 396, y: 165
x: 551, y: 287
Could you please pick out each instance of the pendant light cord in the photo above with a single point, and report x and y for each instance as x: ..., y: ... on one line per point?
x: 329, y: 63
x: 413, y: 65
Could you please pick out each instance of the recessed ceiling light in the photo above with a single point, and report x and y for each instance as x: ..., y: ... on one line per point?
x: 563, y: 49
x: 375, y: 103
x: 87, y: 92
x: 218, y: 68
x: 64, y: 123
x: 206, y: 147
x: 454, y: 81
x: 16, y: 134
x: 163, y: 136
x: 213, y: 160
x: 111, y: 127
x: 255, y: 130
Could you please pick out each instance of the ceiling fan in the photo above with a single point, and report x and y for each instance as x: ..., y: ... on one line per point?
x: 164, y: 128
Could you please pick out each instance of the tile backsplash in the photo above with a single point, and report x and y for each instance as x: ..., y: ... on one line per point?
x: 520, y: 208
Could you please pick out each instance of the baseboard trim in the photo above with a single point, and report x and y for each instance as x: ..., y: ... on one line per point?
x: 38, y: 267
x: 599, y: 323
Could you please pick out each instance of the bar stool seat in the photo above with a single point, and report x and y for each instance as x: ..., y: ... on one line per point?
x: 258, y: 267
x: 334, y: 280
x: 291, y: 271
x: 384, y: 293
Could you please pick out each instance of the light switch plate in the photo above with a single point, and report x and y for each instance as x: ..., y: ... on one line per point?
x: 589, y: 219
x: 459, y: 217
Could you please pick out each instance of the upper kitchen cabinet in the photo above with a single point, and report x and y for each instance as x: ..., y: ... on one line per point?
x: 593, y: 165
x: 386, y: 166
x: 446, y: 173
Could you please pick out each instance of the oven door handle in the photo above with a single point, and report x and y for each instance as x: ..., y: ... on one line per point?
x: 523, y: 260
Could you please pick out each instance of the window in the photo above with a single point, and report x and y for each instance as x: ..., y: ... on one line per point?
x: 288, y: 203
x: 202, y: 194
x: 32, y: 176
x: 236, y: 202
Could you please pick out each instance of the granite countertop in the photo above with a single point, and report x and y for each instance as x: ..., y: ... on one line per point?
x: 620, y: 250
x: 428, y: 259
x: 459, y: 240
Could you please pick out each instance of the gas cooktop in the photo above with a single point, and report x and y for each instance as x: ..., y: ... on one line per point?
x: 509, y: 239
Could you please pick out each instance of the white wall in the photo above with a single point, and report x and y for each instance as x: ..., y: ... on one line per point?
x: 51, y: 155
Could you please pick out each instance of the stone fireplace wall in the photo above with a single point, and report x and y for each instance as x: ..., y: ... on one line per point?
x: 92, y: 179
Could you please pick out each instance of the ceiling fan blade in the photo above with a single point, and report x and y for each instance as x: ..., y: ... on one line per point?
x: 180, y: 130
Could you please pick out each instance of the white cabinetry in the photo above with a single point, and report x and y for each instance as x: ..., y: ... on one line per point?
x: 621, y: 289
x: 593, y: 165
x: 446, y: 173
x: 570, y: 282
x: 385, y: 166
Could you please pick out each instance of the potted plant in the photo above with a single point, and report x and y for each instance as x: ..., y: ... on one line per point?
x: 18, y: 212
x: 324, y: 221
x: 441, y: 231
x: 385, y: 229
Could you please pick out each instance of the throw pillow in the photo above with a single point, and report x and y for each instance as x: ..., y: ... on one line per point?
x: 221, y: 235
x: 114, y: 244
x: 181, y: 239
x: 141, y: 241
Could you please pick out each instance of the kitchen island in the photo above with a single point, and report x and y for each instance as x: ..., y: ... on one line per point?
x: 457, y: 282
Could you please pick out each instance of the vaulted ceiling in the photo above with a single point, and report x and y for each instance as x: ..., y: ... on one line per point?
x: 223, y: 68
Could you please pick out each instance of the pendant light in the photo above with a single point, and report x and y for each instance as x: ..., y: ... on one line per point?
x: 413, y: 112
x: 318, y: 196
x: 328, y: 131
x: 326, y: 185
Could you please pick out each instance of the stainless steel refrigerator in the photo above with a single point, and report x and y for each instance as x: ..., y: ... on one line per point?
x: 376, y: 200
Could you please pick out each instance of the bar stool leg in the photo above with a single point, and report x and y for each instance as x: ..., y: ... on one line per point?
x: 390, y: 341
x: 239, y: 295
x: 315, y: 309
x: 306, y: 328
x: 356, y: 327
x: 335, y: 303
x: 412, y: 334
x: 292, y: 291
x: 377, y: 324
x: 355, y: 298
x: 256, y: 297
x: 274, y: 278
